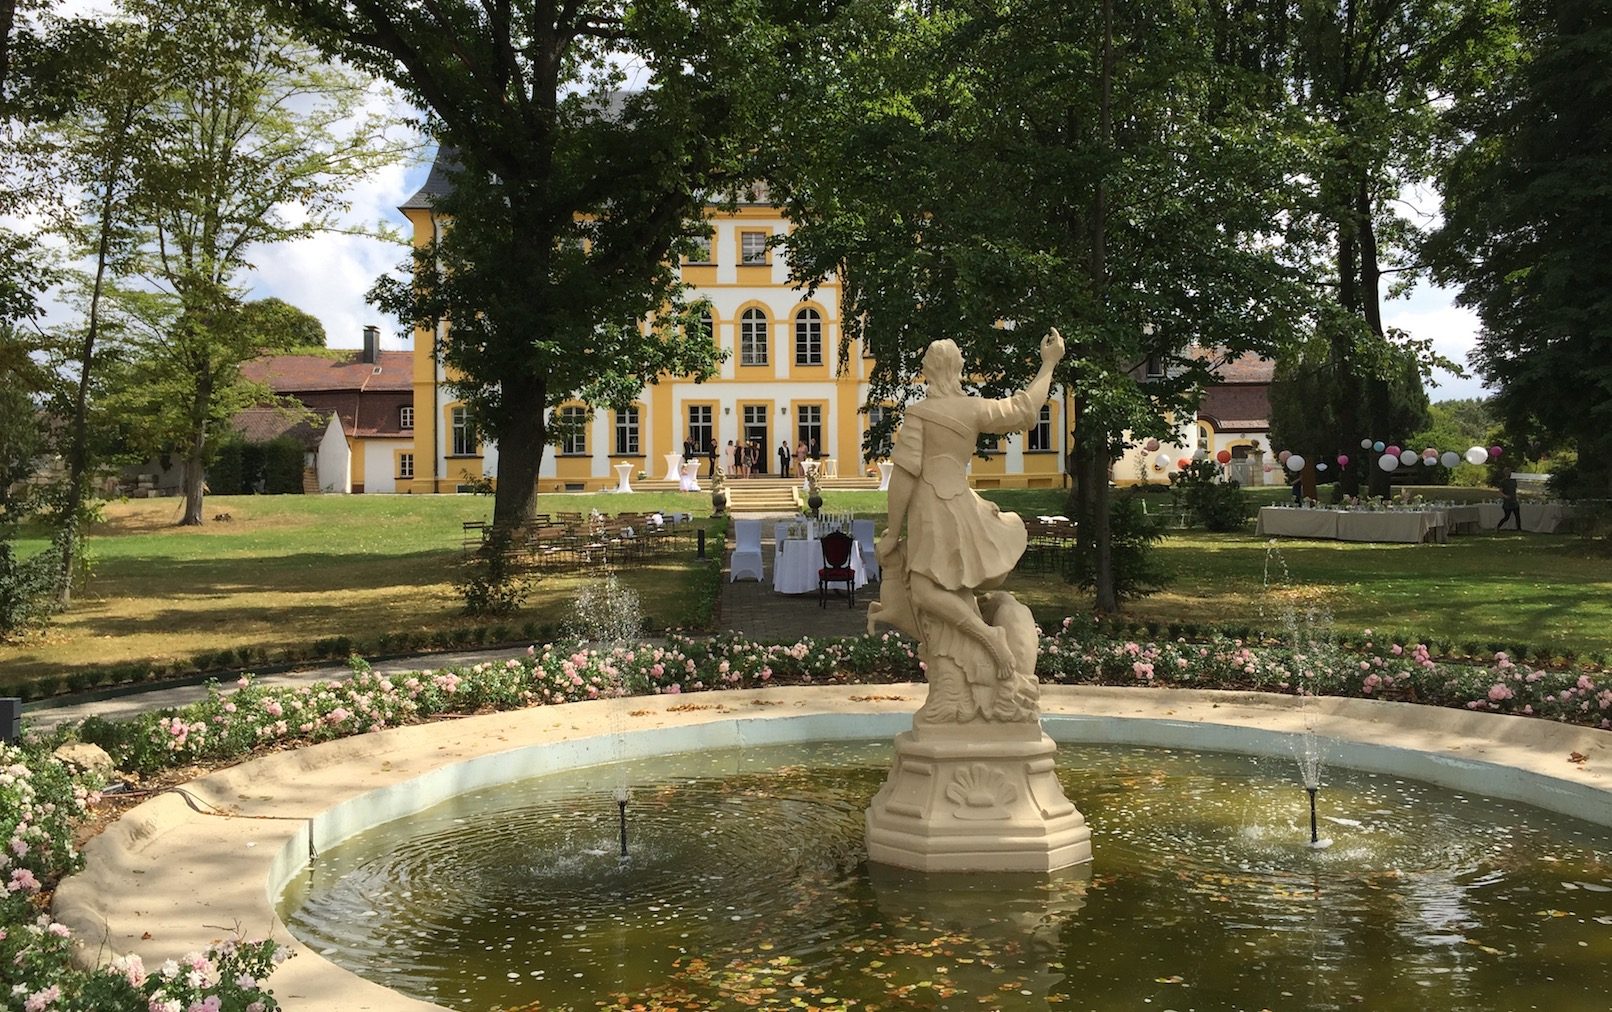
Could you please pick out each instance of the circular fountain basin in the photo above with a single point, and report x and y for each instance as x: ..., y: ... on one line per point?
x: 178, y: 871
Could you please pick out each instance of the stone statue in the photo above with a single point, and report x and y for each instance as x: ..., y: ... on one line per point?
x: 979, y: 651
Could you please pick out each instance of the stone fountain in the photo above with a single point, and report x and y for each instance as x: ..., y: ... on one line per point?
x: 973, y: 787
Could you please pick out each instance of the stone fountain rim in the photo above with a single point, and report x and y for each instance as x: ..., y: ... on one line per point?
x: 174, y: 874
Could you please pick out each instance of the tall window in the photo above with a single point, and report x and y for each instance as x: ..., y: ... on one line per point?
x: 1041, y: 431
x: 627, y: 431
x: 700, y: 431
x: 877, y: 446
x: 574, y: 422
x: 808, y: 337
x: 809, y: 425
x: 701, y: 253
x: 405, y: 465
x: 753, y: 337
x: 752, y: 248
x: 405, y: 417
x: 464, y: 432
x: 1155, y: 367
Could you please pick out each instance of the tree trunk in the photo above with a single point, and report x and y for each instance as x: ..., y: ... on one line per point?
x: 521, y: 443
x: 78, y: 452
x: 195, y: 480
x: 1106, y: 594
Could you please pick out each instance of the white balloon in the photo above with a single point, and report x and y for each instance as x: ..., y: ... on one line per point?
x: 1162, y: 460
x: 1430, y: 460
x: 1365, y: 444
x: 1449, y: 458
x: 1388, y: 462
x: 1322, y: 466
x: 1477, y: 455
x: 1295, y: 462
x: 1407, y: 456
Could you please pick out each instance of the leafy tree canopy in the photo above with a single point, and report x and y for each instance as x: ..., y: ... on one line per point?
x: 280, y: 326
x: 1526, y: 216
x: 572, y: 195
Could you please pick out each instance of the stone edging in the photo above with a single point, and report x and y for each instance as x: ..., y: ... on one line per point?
x: 195, y: 865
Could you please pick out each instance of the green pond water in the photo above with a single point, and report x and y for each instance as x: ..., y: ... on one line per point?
x: 747, y: 886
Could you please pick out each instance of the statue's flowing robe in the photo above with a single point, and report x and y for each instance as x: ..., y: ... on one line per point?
x: 954, y: 537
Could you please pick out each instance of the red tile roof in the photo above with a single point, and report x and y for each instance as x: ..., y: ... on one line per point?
x: 291, y: 374
x: 1245, y: 369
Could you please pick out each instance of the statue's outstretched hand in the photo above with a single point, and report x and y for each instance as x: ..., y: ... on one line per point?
x: 1052, y: 347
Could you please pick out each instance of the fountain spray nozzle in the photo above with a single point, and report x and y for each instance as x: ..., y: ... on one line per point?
x: 621, y: 808
x: 1315, y: 837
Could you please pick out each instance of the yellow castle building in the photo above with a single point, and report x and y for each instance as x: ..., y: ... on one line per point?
x: 780, y: 383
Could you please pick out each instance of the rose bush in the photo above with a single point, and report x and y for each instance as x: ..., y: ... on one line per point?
x: 41, y: 801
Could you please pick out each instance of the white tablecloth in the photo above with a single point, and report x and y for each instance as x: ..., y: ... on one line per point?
x: 1541, y: 518
x: 1407, y: 526
x: 623, y: 470
x: 674, y: 466
x: 885, y: 470
x: 1403, y: 526
x: 1290, y: 522
x: 795, y: 564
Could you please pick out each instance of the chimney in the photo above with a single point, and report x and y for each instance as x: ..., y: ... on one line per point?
x: 372, y: 344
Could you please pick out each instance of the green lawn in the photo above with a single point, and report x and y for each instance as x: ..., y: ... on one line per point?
x: 297, y: 569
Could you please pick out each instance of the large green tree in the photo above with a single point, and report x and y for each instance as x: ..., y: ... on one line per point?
x: 262, y: 141
x: 571, y: 197
x: 983, y: 172
x: 1366, y: 77
x: 1527, y: 212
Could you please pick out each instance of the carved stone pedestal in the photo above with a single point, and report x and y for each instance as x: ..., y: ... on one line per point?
x: 975, y: 797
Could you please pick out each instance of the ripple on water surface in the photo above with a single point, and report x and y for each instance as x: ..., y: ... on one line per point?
x: 747, y: 885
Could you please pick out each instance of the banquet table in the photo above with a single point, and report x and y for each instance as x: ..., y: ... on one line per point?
x: 1407, y: 526
x: 795, y: 562
x: 1539, y: 517
x: 1465, y: 519
x: 1292, y: 522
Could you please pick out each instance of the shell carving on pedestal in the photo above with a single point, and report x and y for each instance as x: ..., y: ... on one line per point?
x: 981, y: 792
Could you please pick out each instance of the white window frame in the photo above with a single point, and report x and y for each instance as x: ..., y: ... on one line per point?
x: 463, y: 432
x: 405, y: 417
x: 754, y: 328
x: 575, y: 442
x: 405, y: 465
x: 752, y: 253
x: 808, y: 337
x: 627, y: 432
x: 1039, y: 438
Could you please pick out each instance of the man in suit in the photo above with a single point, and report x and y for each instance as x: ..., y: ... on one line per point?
x: 710, y: 456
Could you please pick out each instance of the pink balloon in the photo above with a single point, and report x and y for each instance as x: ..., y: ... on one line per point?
x: 1494, y: 451
x: 1430, y: 452
x: 1343, y: 460
x: 1152, y: 444
x: 1284, y: 455
x: 1393, y: 450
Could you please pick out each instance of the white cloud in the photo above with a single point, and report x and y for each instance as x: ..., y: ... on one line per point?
x: 1430, y: 312
x: 328, y: 274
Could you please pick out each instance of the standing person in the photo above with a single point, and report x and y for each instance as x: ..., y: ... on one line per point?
x: 1509, y: 507
x: 710, y: 456
x: 817, y: 452
x: 800, y: 459
x: 784, y: 458
x: 688, y: 448
x: 728, y: 463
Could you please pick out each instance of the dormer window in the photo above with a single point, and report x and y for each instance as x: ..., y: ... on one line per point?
x: 405, y: 417
x: 1155, y: 367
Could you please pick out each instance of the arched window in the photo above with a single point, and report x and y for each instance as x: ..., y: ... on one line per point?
x: 808, y: 337
x: 1040, y: 435
x: 753, y: 337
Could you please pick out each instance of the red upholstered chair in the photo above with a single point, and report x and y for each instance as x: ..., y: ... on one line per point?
x: 836, y: 567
